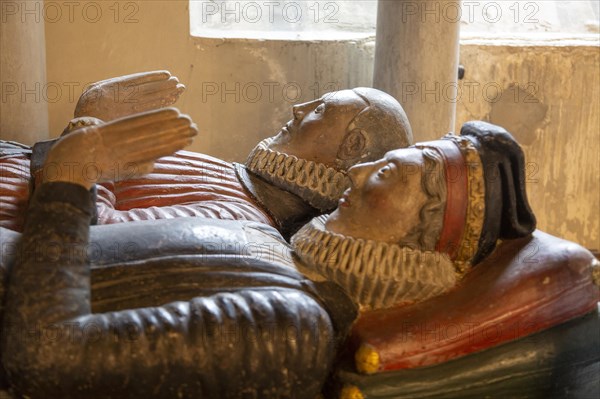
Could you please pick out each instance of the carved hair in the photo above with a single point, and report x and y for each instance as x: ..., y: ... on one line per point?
x: 427, y: 233
x: 380, y: 127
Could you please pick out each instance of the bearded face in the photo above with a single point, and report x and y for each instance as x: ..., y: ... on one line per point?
x: 303, y: 157
x: 319, y: 185
x: 318, y: 128
x: 312, y: 152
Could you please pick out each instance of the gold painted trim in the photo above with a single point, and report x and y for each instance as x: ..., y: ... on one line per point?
x: 469, y: 243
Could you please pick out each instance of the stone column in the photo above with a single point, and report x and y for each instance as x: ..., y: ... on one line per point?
x: 416, y: 61
x: 23, y: 102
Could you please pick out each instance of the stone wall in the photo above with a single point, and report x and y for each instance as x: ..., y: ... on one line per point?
x: 239, y: 91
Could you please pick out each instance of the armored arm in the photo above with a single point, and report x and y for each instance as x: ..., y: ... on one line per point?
x: 264, y: 342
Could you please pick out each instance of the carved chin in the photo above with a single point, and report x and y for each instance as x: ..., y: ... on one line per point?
x: 319, y: 185
x: 374, y: 274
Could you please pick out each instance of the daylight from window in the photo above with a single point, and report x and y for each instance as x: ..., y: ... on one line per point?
x: 530, y: 19
x: 284, y: 20
x: 351, y: 19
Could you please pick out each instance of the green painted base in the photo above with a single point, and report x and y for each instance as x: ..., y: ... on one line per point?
x: 561, y: 362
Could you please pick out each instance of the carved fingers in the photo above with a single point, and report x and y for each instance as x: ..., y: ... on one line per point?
x: 78, y: 123
x: 118, y: 150
x: 127, y: 95
x: 148, y: 136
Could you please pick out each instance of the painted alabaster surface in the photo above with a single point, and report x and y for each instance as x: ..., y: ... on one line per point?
x: 127, y: 95
x: 395, y: 238
x: 301, y: 292
x: 177, y: 285
x: 296, y: 174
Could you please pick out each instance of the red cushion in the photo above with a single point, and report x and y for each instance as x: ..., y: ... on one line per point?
x: 525, y: 286
x: 185, y: 184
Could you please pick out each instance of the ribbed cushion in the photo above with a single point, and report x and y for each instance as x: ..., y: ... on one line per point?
x: 185, y: 184
x: 14, y: 190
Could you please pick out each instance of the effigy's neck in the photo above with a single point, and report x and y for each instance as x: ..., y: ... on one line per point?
x: 375, y: 274
x: 289, y: 211
x: 319, y: 185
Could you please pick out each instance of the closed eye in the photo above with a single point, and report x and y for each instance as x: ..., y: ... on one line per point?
x: 386, y: 171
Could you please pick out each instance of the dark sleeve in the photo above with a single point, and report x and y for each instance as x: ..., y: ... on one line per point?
x: 251, y: 343
x: 39, y: 153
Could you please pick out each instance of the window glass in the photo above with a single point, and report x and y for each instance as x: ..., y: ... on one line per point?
x: 529, y: 19
x: 348, y: 19
x: 283, y: 19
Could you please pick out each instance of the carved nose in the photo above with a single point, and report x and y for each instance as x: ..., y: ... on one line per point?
x: 358, y: 173
x: 301, y: 110
x: 298, y: 112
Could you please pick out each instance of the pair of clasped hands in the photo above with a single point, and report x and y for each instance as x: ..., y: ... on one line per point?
x: 136, y: 129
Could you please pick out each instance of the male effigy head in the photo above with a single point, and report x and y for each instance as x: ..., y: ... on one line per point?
x: 312, y: 152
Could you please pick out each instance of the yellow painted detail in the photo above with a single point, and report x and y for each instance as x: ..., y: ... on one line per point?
x: 351, y: 392
x: 367, y: 359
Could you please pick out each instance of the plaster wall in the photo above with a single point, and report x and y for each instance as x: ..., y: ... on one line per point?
x: 549, y: 95
x: 238, y: 91
x: 23, y: 110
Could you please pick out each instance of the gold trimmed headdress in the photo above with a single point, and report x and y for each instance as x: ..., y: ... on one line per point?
x: 465, y: 198
x: 486, y: 198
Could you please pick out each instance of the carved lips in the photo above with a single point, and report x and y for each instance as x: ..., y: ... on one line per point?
x: 286, y: 132
x: 344, y: 201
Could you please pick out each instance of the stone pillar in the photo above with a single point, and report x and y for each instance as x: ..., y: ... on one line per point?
x: 23, y: 105
x: 416, y: 61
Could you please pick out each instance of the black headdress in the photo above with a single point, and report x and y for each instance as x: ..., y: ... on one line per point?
x: 507, y: 211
